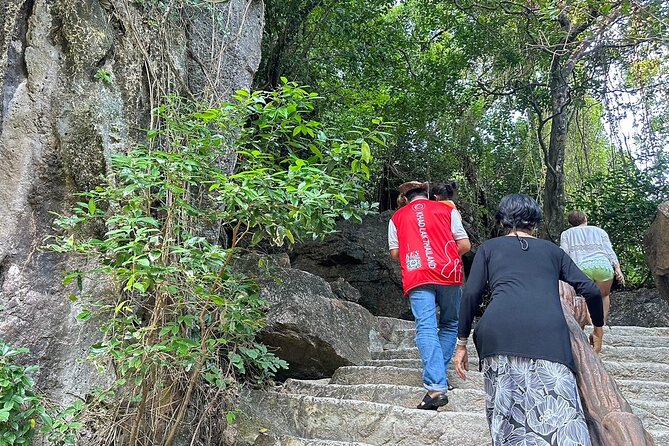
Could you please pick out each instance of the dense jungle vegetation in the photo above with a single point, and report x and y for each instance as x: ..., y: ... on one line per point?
x: 563, y: 100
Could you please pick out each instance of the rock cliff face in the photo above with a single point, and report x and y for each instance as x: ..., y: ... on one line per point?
x: 358, y: 253
x: 656, y: 245
x: 643, y: 307
x: 79, y: 80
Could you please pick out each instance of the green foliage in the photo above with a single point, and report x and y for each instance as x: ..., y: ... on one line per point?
x: 62, y: 428
x: 20, y: 406
x: 23, y: 411
x: 621, y: 202
x: 469, y: 84
x: 104, y: 76
x: 165, y: 228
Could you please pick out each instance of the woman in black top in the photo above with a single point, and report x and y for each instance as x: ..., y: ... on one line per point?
x: 523, y: 339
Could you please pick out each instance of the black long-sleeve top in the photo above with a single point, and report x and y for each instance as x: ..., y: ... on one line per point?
x: 524, y: 317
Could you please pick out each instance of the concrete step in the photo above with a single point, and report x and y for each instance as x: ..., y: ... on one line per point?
x: 654, y: 414
x: 650, y: 371
x: 660, y: 436
x: 460, y: 400
x: 616, y: 336
x: 285, y: 440
x: 413, y: 363
x: 399, y: 376
x: 395, y: 324
x: 609, y: 353
x: 633, y: 331
x: 636, y: 354
x: 411, y: 353
x: 617, y: 340
x: 619, y: 370
x: 374, y: 404
x: 398, y: 325
x: 651, y: 391
x: 401, y: 339
x: 311, y: 417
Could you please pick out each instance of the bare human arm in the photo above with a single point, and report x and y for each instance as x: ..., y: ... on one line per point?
x: 395, y: 254
x: 464, y: 246
x: 477, y: 283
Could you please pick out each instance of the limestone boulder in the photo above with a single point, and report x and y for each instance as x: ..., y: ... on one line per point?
x: 358, y: 253
x: 312, y: 329
x: 643, y: 307
x: 343, y: 290
x: 656, y: 246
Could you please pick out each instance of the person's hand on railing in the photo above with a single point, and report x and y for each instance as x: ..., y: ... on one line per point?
x: 596, y: 339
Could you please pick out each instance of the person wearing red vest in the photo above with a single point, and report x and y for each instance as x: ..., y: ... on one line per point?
x: 427, y: 238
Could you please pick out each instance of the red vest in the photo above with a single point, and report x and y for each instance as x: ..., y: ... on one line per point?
x: 428, y: 253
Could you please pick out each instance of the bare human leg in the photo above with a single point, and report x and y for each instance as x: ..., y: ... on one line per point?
x: 605, y: 289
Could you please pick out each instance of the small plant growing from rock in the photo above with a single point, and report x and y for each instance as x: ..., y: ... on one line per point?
x: 104, y: 76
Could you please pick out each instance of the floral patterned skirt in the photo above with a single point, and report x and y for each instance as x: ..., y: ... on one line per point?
x: 533, y: 402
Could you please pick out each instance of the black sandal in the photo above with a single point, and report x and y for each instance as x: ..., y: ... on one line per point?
x: 433, y: 403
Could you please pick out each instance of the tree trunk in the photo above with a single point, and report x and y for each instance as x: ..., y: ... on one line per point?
x: 464, y: 134
x: 554, y: 199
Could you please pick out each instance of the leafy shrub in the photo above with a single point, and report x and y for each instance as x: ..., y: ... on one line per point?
x: 20, y: 406
x: 22, y: 410
x: 165, y: 227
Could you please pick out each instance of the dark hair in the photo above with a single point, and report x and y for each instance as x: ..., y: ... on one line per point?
x: 413, y: 193
x: 445, y: 190
x: 576, y: 218
x: 518, y: 211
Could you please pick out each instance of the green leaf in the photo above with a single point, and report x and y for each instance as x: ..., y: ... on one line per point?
x: 366, y: 152
x: 143, y: 261
x: 84, y: 315
x: 258, y: 236
x: 91, y: 206
x: 139, y: 286
x: 207, y: 115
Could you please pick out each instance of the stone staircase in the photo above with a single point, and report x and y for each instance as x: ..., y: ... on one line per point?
x: 374, y: 404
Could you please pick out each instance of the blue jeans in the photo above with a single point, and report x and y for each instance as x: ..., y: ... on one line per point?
x: 436, y: 342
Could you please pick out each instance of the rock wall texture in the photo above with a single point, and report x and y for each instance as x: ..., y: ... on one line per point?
x: 656, y: 246
x: 306, y: 317
x: 358, y: 253
x: 79, y: 80
x: 643, y: 307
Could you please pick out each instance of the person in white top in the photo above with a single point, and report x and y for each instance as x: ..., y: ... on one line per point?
x: 590, y: 248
